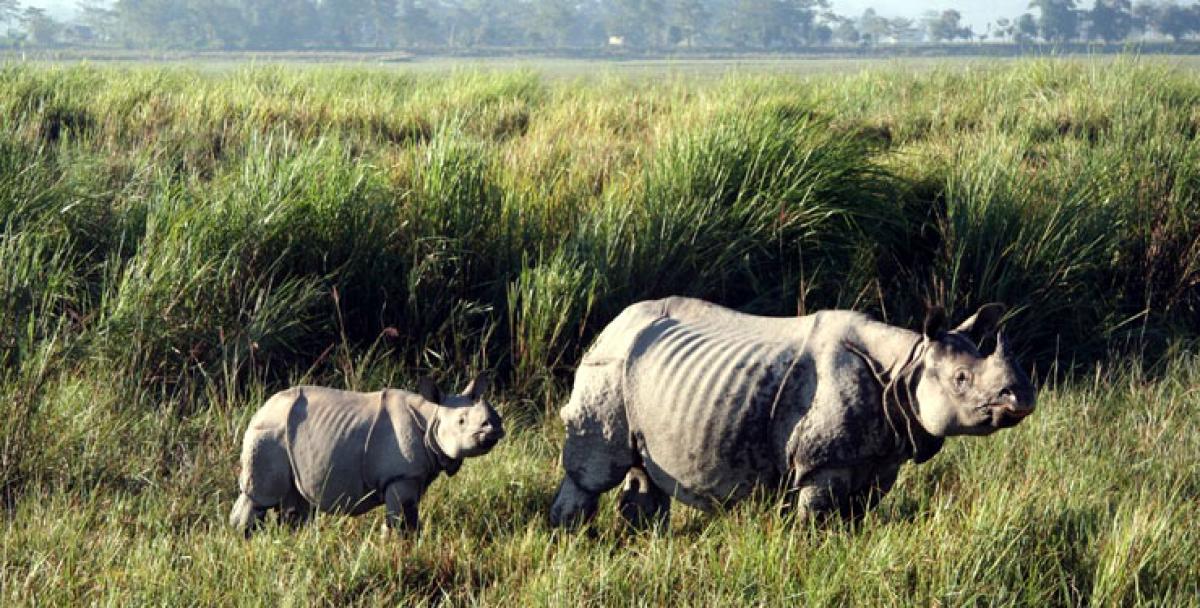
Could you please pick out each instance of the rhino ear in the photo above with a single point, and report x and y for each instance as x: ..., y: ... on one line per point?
x: 983, y: 322
x: 477, y: 387
x: 429, y: 390
x: 935, y: 323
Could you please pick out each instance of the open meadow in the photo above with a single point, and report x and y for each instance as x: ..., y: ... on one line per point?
x: 177, y: 244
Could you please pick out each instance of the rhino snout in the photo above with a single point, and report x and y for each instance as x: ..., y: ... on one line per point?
x: 1011, y: 406
x: 1016, y: 400
x: 489, y: 434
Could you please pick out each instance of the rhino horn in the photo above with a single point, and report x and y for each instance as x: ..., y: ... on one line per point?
x: 1000, y: 352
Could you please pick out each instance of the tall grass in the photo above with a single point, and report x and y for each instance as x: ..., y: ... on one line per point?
x: 179, y: 244
x: 1089, y: 502
x: 1043, y: 184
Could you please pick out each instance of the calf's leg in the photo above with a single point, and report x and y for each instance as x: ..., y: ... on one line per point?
x: 401, y: 498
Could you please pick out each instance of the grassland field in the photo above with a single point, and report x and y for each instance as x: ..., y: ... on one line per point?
x: 178, y: 242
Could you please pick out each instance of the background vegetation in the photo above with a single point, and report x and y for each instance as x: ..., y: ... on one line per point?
x: 556, y: 26
x: 178, y: 244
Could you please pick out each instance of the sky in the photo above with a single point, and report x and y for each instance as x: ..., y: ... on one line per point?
x: 976, y: 13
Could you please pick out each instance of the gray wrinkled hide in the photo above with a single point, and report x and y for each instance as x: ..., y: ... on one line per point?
x: 709, y: 403
x: 346, y: 452
x: 321, y: 435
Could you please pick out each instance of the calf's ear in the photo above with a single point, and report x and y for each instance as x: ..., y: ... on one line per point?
x: 935, y: 323
x: 477, y: 387
x: 983, y: 322
x: 429, y: 390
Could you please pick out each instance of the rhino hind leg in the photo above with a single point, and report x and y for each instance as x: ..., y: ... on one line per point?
x: 295, y: 510
x: 643, y: 504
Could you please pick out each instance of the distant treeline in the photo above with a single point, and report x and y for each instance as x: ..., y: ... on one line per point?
x: 766, y: 25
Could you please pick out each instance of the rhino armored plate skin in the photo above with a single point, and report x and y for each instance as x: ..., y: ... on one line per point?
x: 346, y: 452
x: 682, y: 398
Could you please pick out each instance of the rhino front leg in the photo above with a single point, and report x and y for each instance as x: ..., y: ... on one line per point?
x: 865, y: 498
x: 573, y: 506
x: 401, y: 498
x: 818, y: 495
x: 643, y: 504
x: 846, y: 492
x: 265, y: 480
x: 598, y: 450
x: 593, y: 466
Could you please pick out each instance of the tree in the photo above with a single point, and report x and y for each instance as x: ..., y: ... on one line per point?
x: 772, y: 23
x: 752, y: 23
x: 380, y: 28
x: 552, y: 22
x: 1005, y: 28
x: 9, y: 10
x: 1025, y: 29
x: 845, y: 32
x: 216, y: 25
x: 1176, y: 21
x: 342, y: 22
x: 43, y: 30
x: 801, y: 16
x: 638, y: 22
x: 946, y: 27
x: 96, y: 15
x: 158, y: 23
x: 416, y: 26
x: 821, y: 35
x: 872, y: 26
x: 1058, y: 20
x: 1143, y: 15
x: 688, y: 19
x: 903, y: 29
x: 1110, y: 20
x: 493, y: 23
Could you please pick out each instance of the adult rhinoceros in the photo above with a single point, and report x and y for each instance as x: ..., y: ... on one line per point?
x: 686, y: 399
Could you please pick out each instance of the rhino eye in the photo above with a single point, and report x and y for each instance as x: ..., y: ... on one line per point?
x: 962, y: 379
x: 462, y: 420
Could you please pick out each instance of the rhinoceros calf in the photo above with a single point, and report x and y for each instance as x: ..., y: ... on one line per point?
x: 346, y: 452
x: 686, y: 399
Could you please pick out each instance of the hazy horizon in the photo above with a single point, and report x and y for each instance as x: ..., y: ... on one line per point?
x: 976, y: 13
